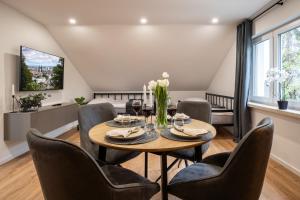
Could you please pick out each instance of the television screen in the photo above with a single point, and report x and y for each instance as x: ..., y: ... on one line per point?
x: 40, y: 71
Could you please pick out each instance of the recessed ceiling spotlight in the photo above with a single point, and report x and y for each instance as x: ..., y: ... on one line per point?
x: 215, y: 20
x: 72, y: 21
x: 143, y: 20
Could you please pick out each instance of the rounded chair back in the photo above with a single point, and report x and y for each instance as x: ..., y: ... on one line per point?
x: 196, y: 110
x: 89, y: 116
x: 65, y: 171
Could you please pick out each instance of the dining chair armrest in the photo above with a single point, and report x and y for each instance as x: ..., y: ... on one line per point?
x: 217, y: 159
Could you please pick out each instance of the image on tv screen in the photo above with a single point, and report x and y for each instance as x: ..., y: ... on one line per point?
x: 40, y: 71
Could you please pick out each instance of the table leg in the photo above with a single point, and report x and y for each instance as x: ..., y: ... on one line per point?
x: 164, y: 176
x: 102, y: 153
x: 198, y: 153
x: 146, y: 165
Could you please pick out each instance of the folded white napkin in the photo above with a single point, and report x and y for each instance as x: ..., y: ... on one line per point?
x: 181, y: 116
x: 190, y: 131
x: 122, y: 118
x: 122, y: 132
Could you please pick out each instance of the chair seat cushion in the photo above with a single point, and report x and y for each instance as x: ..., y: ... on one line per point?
x: 188, y: 154
x: 196, y: 171
x: 119, y: 176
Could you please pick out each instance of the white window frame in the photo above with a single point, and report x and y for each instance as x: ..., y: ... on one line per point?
x: 275, y: 62
x: 257, y: 41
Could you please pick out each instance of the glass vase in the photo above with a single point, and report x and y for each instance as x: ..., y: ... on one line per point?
x: 161, y: 113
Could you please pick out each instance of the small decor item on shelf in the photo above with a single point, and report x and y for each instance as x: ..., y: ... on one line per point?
x: 160, y: 89
x: 80, y: 100
x: 31, y: 102
x: 285, y: 79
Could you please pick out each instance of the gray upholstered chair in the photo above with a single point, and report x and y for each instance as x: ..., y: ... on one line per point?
x: 229, y: 176
x: 196, y: 110
x: 91, y: 115
x: 67, y: 172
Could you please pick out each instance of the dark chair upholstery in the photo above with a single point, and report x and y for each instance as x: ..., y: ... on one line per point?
x: 91, y: 115
x: 196, y: 110
x: 67, y: 172
x: 229, y: 176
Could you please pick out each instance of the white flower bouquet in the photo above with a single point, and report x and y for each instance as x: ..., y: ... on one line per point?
x: 160, y: 90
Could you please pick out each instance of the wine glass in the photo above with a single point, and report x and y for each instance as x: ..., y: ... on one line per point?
x: 146, y: 112
x: 172, y: 111
x: 136, y: 106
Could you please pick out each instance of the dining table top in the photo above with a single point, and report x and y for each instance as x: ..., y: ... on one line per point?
x: 97, y: 135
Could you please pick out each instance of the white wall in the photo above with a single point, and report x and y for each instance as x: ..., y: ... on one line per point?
x: 223, y: 81
x: 279, y: 15
x: 15, y: 30
x: 286, y: 143
x: 131, y: 54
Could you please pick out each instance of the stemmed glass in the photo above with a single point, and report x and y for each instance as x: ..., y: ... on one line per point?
x: 146, y: 112
x: 136, y: 106
x: 172, y: 111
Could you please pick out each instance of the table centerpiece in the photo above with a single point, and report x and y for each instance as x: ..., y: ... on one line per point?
x: 160, y: 90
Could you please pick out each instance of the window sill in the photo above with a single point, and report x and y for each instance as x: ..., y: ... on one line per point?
x: 273, y: 109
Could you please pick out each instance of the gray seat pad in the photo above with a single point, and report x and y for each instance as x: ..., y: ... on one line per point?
x: 195, y: 172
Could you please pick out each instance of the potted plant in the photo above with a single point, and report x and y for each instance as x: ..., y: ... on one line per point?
x: 31, y: 102
x: 284, y: 78
x: 160, y: 89
x: 80, y: 101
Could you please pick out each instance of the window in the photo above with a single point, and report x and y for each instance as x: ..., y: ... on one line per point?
x: 262, y: 63
x: 290, y: 60
x: 280, y: 50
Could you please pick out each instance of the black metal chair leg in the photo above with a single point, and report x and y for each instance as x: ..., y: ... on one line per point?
x: 186, y: 163
x: 168, y: 168
x: 146, y: 165
x: 179, y: 163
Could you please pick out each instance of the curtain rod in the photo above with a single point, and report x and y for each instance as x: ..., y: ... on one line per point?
x: 266, y: 10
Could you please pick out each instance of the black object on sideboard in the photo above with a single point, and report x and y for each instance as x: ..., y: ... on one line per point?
x: 46, y: 119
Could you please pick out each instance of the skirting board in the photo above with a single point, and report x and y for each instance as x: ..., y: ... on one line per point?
x: 285, y: 164
x: 22, y: 148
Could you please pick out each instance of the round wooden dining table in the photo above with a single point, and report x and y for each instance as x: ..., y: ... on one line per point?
x: 160, y: 146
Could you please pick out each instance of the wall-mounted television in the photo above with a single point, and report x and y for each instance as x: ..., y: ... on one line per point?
x: 40, y: 71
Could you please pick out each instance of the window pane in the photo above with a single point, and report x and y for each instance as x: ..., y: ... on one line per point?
x: 290, y: 60
x: 261, y: 66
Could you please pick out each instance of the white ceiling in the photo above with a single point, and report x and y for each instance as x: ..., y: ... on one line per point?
x: 126, y: 57
x: 54, y: 12
x: 113, y: 52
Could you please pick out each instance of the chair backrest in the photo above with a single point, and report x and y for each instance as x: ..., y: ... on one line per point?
x: 89, y: 116
x: 66, y: 171
x: 196, y: 110
x: 245, y: 169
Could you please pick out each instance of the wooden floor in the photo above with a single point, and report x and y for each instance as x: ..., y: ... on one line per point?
x: 18, y: 179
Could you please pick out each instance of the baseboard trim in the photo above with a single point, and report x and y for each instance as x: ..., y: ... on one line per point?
x: 286, y: 165
x: 22, y: 147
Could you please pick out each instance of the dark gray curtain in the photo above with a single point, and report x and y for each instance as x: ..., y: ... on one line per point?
x: 242, y: 118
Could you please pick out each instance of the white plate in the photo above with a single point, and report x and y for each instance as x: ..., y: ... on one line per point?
x: 183, y: 135
x: 130, y: 137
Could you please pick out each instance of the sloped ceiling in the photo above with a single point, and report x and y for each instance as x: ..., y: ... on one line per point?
x: 113, y: 52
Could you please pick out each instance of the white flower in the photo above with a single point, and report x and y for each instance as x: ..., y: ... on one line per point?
x: 163, y: 83
x: 152, y: 85
x: 165, y: 75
